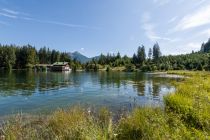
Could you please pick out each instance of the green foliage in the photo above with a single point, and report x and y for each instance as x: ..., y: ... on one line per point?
x: 108, y: 68
x: 64, y: 57
x: 156, y: 52
x: 55, y: 56
x: 91, y: 66
x: 7, y: 57
x: 25, y: 56
x: 130, y: 68
x: 193, y: 61
x: 110, y: 60
x: 205, y: 48
x: 21, y: 57
x: 186, y: 114
x: 150, y: 54
x: 43, y: 55
x: 140, y: 58
x: 29, y: 66
x: 199, y: 67
x: 146, y: 68
x: 208, y: 65
x: 191, y: 101
x: 154, y: 123
x: 73, y: 124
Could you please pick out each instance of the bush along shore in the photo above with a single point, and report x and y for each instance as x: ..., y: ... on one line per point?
x: 186, y: 115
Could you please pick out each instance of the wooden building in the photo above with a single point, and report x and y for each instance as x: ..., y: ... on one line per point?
x: 60, y: 66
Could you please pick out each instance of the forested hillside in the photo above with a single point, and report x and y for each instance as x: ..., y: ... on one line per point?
x: 154, y: 60
x: 20, y: 57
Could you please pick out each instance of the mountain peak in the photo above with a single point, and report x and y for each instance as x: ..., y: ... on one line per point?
x: 79, y: 57
x: 76, y: 52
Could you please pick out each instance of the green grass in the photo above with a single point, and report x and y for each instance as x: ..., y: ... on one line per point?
x: 74, y: 123
x: 186, y: 115
x: 192, y: 101
x: 154, y: 123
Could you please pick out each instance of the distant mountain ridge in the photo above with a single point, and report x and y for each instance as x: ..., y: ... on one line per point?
x: 80, y: 57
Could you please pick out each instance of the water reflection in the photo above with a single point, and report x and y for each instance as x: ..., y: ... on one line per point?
x: 28, y: 82
x: 28, y: 90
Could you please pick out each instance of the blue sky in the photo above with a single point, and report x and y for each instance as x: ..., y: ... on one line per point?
x: 101, y: 26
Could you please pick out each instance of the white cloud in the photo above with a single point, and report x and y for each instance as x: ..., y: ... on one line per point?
x: 182, y: 48
x: 7, y: 15
x: 163, y: 38
x: 193, y: 3
x: 10, y: 11
x: 146, y: 17
x: 161, y: 2
x: 172, y: 19
x: 201, y: 2
x: 196, y: 19
x: 193, y: 46
x: 19, y: 15
x: 61, y: 23
x: 82, y: 49
x: 149, y: 29
x: 13, y: 12
x: 189, y: 47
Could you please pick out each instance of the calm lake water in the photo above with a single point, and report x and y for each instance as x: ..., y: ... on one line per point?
x: 30, y: 92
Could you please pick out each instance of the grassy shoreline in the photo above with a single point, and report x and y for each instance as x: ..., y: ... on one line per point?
x: 186, y: 115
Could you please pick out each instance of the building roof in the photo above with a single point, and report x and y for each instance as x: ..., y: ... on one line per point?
x: 60, y: 63
x: 43, y: 65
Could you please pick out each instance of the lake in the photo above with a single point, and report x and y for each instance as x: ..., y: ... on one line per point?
x: 43, y: 92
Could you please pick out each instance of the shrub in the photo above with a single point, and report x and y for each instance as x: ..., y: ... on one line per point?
x: 108, y: 68
x: 130, y: 68
x: 153, y: 123
x: 191, y: 102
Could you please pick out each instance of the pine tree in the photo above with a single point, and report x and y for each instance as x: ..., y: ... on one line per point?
x: 135, y: 59
x: 150, y: 53
x: 156, y: 52
x: 118, y: 56
x: 141, y: 55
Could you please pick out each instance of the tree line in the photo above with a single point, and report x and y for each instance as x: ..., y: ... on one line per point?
x: 154, y: 60
x: 21, y: 57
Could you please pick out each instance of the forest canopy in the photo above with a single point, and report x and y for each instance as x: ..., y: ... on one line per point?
x: 20, y: 57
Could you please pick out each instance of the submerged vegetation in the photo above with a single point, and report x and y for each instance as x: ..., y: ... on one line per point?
x: 186, y: 115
